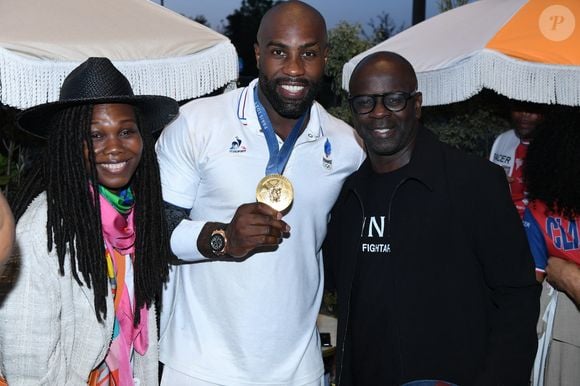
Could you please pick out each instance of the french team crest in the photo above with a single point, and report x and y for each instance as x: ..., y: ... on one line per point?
x: 326, y: 158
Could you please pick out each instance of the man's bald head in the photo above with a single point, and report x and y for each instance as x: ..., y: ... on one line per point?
x: 389, y: 62
x: 291, y: 12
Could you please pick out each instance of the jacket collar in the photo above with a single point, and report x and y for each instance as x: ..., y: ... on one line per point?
x: 427, y: 162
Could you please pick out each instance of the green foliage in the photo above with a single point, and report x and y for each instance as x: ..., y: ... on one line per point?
x: 242, y: 28
x: 382, y: 29
x: 201, y: 19
x: 7, y: 169
x: 342, y: 111
x: 345, y: 42
x: 471, y: 125
x: 11, y: 150
x: 11, y: 166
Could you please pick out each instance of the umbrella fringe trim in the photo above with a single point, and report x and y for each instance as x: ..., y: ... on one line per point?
x: 27, y: 81
x: 514, y: 78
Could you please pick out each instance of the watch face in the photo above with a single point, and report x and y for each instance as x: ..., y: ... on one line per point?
x: 217, y: 242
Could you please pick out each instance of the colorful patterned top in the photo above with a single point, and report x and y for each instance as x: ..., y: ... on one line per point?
x: 119, y: 236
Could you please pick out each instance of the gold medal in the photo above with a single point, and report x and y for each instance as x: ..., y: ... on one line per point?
x: 276, y: 191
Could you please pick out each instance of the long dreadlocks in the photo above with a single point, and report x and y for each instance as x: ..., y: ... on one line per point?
x: 74, y: 221
x: 552, y: 167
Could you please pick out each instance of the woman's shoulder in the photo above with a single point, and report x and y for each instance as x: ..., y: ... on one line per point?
x: 33, y: 219
x: 31, y: 233
x: 30, y: 264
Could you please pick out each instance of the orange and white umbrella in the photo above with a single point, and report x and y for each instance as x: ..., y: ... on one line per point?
x: 159, y: 51
x: 524, y: 49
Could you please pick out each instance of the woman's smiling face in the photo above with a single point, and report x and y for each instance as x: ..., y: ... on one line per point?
x: 117, y: 144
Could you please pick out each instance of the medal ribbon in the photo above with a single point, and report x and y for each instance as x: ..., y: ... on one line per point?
x: 278, y: 156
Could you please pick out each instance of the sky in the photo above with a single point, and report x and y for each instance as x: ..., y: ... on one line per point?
x: 361, y: 11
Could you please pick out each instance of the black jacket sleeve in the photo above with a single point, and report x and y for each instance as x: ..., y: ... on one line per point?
x: 508, y: 270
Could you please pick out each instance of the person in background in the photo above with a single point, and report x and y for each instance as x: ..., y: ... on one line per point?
x: 245, y: 313
x: 552, y: 223
x: 427, y: 254
x: 509, y: 148
x: 6, y: 231
x: 90, y: 237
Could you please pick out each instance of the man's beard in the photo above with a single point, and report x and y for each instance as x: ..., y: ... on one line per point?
x: 291, y: 109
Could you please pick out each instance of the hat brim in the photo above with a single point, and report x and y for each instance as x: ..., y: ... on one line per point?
x: 155, y: 112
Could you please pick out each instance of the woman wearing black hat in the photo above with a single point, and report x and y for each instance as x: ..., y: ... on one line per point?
x: 91, y: 238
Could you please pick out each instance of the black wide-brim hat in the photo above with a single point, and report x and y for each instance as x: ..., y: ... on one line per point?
x: 97, y: 81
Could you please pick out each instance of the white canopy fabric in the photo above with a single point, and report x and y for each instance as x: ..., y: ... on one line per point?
x: 158, y: 50
x: 453, y: 58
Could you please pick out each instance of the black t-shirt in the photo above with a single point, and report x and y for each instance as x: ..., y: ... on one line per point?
x: 373, y: 331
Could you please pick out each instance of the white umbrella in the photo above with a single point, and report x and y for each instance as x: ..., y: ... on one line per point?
x: 523, y: 49
x: 159, y: 51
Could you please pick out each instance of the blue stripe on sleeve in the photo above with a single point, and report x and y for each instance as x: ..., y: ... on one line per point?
x: 536, y: 240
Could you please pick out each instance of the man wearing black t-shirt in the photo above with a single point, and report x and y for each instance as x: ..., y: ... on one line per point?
x: 427, y: 254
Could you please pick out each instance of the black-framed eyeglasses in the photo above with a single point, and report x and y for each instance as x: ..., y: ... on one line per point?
x: 393, y: 101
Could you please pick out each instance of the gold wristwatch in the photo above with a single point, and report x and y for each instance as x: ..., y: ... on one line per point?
x: 218, y: 242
